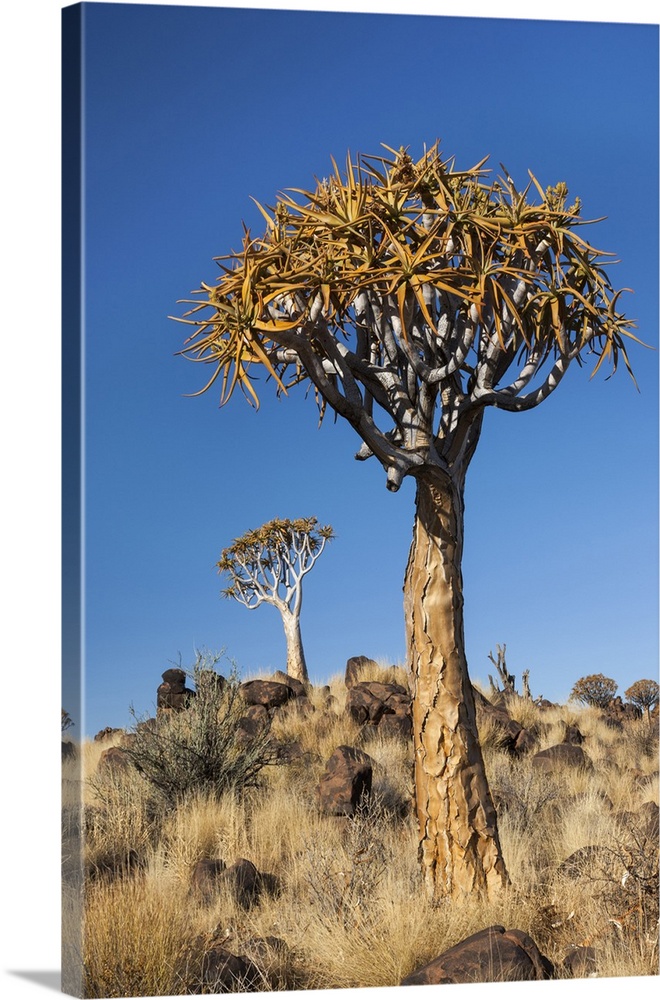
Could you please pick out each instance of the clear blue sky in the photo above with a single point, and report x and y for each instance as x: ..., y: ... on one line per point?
x: 189, y: 112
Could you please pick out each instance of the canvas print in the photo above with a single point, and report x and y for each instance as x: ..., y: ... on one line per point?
x: 360, y: 308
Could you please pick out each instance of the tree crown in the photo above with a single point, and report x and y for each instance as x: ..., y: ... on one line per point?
x: 401, y: 288
x: 270, y: 561
x: 594, y: 689
x: 643, y: 693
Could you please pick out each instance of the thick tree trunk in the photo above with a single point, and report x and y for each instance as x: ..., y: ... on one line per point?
x: 295, y: 657
x: 459, y: 845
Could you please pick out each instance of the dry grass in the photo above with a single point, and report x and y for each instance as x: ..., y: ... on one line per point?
x: 349, y: 906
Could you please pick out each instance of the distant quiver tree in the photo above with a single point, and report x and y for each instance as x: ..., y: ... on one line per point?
x: 594, y: 689
x: 644, y: 694
x: 412, y: 295
x: 267, y: 565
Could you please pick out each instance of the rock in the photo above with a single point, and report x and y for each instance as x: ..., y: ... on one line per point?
x: 223, y: 972
x: 114, y: 759
x: 259, y: 714
x: 205, y: 875
x: 208, y: 680
x: 573, y: 735
x: 346, y: 781
x: 396, y: 726
x: 114, y: 864
x: 580, y: 962
x: 247, y: 730
x: 525, y: 742
x: 649, y: 819
x: 355, y: 667
x: 509, y: 729
x: 105, y: 734
x: 270, y: 694
x: 173, y: 695
x: 246, y: 883
x: 363, y: 706
x: 561, y: 755
x: 69, y: 751
x: 299, y: 688
x: 176, y: 678
x: 590, y: 862
x: 491, y: 955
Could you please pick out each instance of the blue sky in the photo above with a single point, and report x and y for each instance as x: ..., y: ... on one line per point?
x: 189, y: 112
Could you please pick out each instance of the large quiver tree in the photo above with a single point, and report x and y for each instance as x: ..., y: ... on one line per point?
x: 412, y: 296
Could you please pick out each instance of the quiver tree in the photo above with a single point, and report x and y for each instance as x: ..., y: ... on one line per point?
x: 644, y: 694
x: 266, y: 566
x: 413, y: 295
x: 595, y: 690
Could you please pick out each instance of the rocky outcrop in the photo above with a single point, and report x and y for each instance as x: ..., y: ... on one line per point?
x: 491, y: 955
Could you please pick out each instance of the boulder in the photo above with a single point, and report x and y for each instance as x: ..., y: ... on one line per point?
x: 173, y: 695
x: 223, y: 972
x: 525, y: 742
x: 69, y: 751
x: 580, y: 962
x: 355, y: 667
x: 561, y: 755
x: 114, y: 759
x: 591, y: 862
x: 299, y: 688
x: 246, y: 883
x: 573, y: 735
x: 397, y: 726
x: 105, y: 734
x: 345, y: 782
x: 491, y: 955
x: 363, y: 706
x: 205, y: 875
x: 270, y: 694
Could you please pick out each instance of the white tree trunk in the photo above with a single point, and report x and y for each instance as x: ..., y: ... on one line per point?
x: 295, y: 657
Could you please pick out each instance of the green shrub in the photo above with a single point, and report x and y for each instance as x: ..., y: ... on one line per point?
x: 202, y: 748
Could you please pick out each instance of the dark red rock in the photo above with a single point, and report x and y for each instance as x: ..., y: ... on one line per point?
x: 363, y: 706
x: 246, y: 883
x: 355, y: 667
x: 580, y: 962
x: 270, y: 694
x: 491, y: 955
x: 299, y: 688
x: 346, y: 781
x: 561, y: 755
x: 205, y: 875
x: 398, y: 726
x: 114, y: 759
x: 525, y: 742
x: 223, y: 972
x: 105, y: 734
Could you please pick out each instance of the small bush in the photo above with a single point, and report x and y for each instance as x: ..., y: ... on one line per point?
x: 202, y: 748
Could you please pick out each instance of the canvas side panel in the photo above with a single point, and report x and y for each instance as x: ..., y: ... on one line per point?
x: 72, y: 724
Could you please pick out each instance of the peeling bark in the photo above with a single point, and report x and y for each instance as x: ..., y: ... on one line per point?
x: 459, y: 845
x: 295, y: 657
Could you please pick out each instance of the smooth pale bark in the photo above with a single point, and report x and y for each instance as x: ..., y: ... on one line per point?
x: 295, y: 657
x: 459, y: 844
